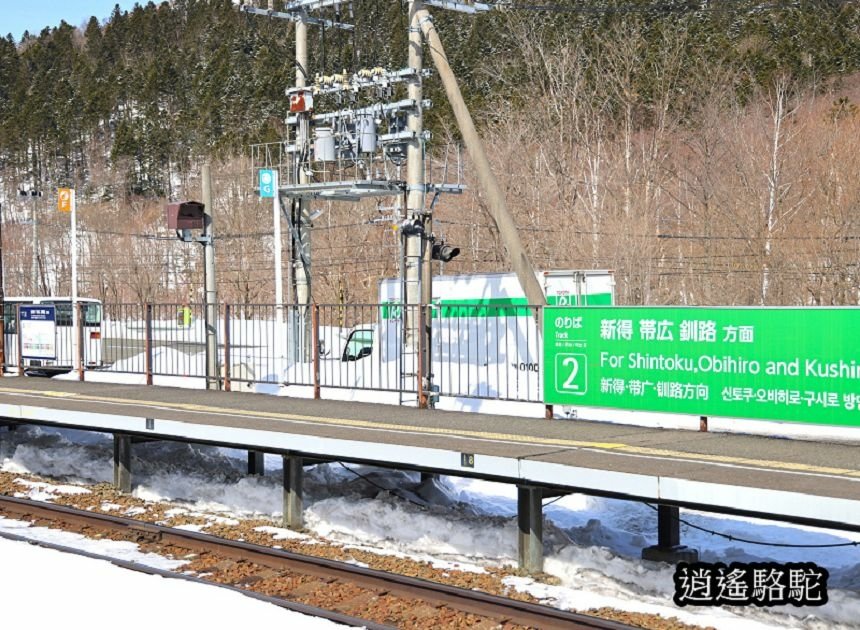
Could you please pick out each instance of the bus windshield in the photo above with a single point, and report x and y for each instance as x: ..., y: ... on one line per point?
x: 91, y: 312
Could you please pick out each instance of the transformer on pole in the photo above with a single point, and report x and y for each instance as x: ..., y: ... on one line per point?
x: 360, y: 150
x: 372, y: 144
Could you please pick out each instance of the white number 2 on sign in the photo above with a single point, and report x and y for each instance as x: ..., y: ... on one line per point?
x: 571, y: 376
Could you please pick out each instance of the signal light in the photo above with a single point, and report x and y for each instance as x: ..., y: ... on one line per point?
x: 443, y: 252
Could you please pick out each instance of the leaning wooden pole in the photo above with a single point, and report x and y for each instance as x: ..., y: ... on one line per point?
x: 496, y: 199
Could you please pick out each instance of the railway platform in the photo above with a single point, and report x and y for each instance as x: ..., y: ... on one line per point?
x: 814, y: 483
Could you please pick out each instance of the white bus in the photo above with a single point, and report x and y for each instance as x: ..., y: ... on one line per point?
x: 91, y: 322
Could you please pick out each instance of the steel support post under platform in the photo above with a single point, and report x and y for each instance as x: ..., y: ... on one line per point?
x: 7, y: 428
x: 256, y: 463
x: 669, y: 548
x: 122, y: 462
x: 293, y: 474
x: 530, y: 534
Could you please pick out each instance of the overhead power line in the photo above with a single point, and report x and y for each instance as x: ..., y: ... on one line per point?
x: 657, y: 7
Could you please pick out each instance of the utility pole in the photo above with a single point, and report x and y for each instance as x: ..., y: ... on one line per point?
x: 418, y: 283
x: 301, y: 241
x: 276, y: 229
x: 76, y: 323
x: 211, y: 316
x: 298, y: 177
x: 371, y: 145
x: 495, y: 197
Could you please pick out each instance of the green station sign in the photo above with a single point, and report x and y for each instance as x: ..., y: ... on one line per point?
x: 792, y: 364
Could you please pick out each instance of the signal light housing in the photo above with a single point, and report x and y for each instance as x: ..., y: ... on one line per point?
x: 443, y: 252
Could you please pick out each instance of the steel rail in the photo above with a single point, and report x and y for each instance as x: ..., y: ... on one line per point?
x: 469, y: 601
x: 304, y: 609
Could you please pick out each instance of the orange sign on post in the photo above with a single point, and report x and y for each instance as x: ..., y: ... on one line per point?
x: 64, y: 199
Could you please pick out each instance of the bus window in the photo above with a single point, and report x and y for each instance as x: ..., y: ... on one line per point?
x: 63, y: 314
x: 92, y: 313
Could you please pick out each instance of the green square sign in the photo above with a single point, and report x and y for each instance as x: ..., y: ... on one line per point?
x: 571, y: 374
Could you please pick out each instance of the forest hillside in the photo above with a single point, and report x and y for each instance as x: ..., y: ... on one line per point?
x: 707, y: 151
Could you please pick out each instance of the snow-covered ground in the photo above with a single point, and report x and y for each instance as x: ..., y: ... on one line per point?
x: 49, y: 589
x: 593, y: 545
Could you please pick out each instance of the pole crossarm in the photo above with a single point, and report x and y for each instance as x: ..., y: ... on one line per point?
x: 313, y: 5
x: 298, y: 16
x: 462, y: 7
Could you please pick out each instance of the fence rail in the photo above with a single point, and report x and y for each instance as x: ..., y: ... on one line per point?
x: 476, y: 351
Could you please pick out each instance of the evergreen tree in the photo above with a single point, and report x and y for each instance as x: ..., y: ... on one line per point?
x: 165, y: 84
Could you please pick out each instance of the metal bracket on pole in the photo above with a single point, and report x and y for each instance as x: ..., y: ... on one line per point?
x: 186, y: 237
x: 301, y: 16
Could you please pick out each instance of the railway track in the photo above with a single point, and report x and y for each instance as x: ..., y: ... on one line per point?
x: 338, y: 591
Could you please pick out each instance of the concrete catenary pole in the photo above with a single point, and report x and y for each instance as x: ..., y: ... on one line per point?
x: 276, y: 229
x: 211, y: 306
x: 418, y: 284
x: 301, y: 251
x: 495, y: 197
x: 76, y: 337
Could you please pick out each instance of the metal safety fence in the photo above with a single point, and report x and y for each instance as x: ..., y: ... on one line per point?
x: 473, y: 350
x: 154, y: 340
x: 487, y: 351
